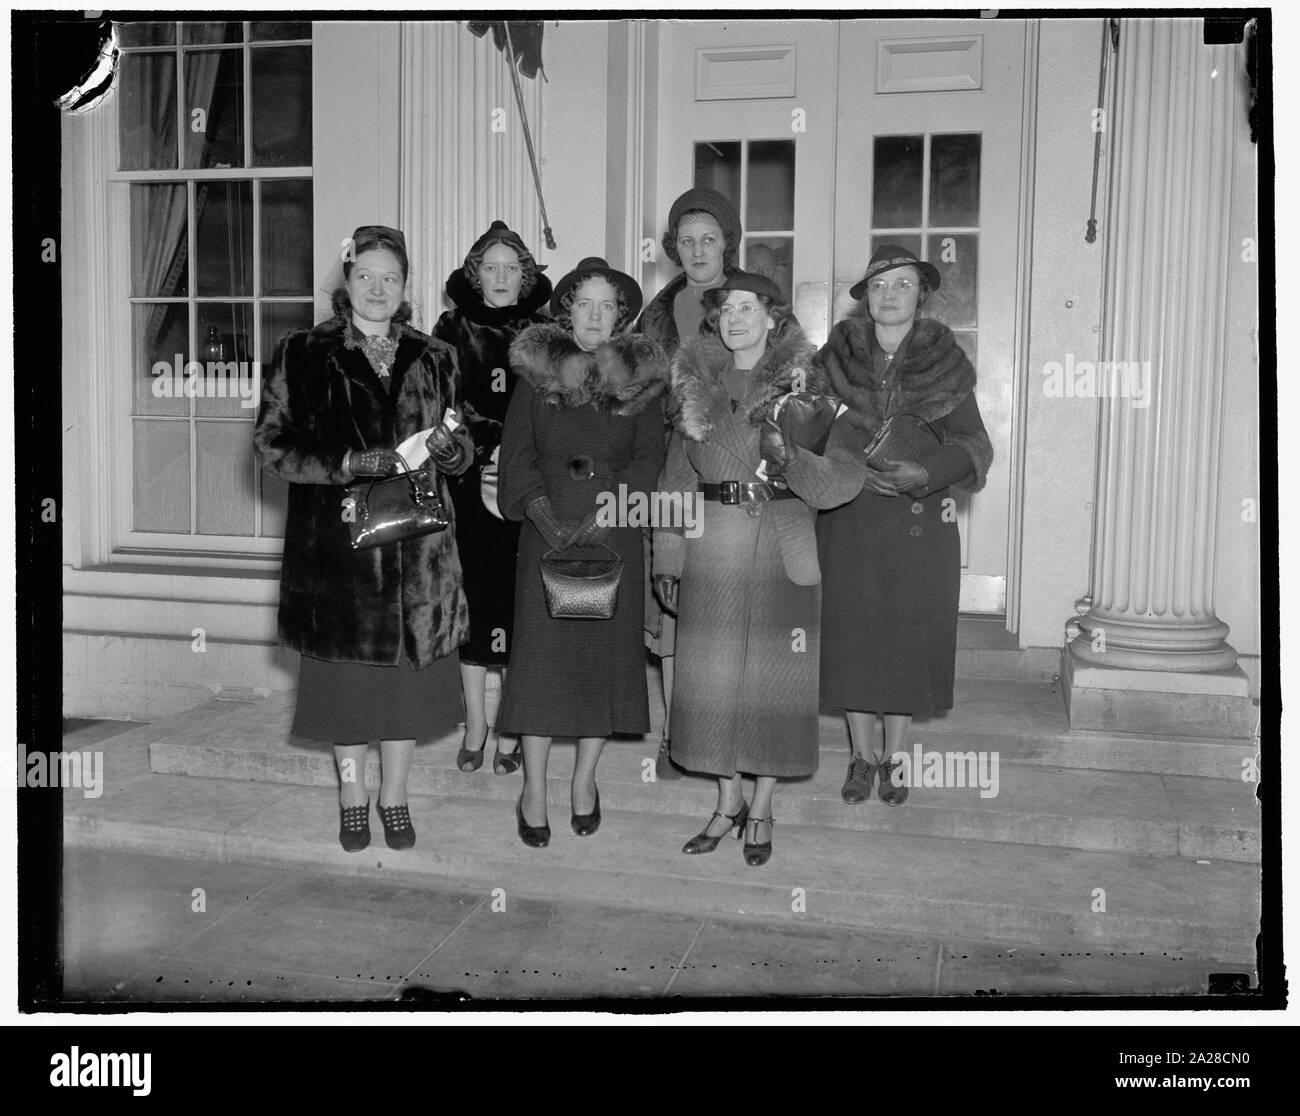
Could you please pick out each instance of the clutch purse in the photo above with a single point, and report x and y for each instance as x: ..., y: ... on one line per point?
x: 392, y: 509
x: 581, y: 588
x: 901, y: 438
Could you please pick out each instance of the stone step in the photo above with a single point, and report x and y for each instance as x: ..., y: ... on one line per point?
x: 1046, y: 898
x: 1030, y: 803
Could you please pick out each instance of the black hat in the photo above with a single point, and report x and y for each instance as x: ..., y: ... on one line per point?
x: 380, y: 236
x: 886, y: 258
x: 594, y: 265
x: 708, y: 200
x: 501, y: 233
x: 743, y: 281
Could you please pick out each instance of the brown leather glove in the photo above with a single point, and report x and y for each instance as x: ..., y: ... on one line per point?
x: 589, y: 532
x: 373, y: 462
x: 452, y: 451
x: 554, y: 530
x: 665, y: 589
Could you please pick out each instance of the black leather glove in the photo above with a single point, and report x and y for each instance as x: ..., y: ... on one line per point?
x: 665, y: 589
x: 589, y: 532
x: 373, y: 462
x: 879, y: 483
x: 555, y: 531
x: 775, y: 448
x: 806, y: 420
x: 451, y: 450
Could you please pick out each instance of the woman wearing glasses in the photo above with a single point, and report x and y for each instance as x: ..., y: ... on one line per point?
x: 892, y: 558
x: 745, y: 589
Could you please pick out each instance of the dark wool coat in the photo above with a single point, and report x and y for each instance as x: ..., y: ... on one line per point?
x: 481, y: 335
x: 892, y: 565
x: 579, y: 677
x: 343, y: 605
x: 745, y: 695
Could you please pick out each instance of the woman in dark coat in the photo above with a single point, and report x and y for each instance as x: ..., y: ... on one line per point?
x: 377, y: 628
x: 892, y: 558
x: 498, y: 292
x: 585, y: 423
x: 749, y: 601
x: 703, y: 239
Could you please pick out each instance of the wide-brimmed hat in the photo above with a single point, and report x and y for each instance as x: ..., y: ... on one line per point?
x: 708, y: 200
x: 594, y: 265
x: 743, y: 281
x: 886, y: 258
x: 500, y: 233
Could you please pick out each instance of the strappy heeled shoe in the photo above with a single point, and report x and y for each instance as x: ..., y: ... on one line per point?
x: 758, y: 853
x: 584, y: 825
x: 535, y: 836
x: 889, y: 793
x: 702, y: 842
x: 398, y: 830
x: 471, y: 759
x: 507, y: 763
x: 354, y: 827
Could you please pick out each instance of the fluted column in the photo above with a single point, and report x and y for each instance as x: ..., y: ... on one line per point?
x: 464, y: 161
x: 1167, y: 260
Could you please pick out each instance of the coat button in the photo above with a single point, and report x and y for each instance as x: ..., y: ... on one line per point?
x: 914, y: 530
x: 917, y: 507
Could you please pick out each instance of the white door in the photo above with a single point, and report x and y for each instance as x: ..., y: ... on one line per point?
x: 834, y: 137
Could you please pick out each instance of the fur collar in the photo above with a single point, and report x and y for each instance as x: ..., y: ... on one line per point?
x: 700, y: 399
x: 470, y: 302
x: 410, y: 341
x: 658, y: 320
x: 623, y: 375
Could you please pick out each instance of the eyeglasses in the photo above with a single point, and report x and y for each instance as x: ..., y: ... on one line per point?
x: 744, y: 310
x: 880, y: 286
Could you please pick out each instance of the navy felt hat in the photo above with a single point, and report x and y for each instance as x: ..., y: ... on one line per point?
x: 886, y: 258
x: 743, y: 281
x: 594, y: 265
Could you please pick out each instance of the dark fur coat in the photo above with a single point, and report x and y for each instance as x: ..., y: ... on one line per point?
x: 935, y: 377
x: 624, y: 375
x: 320, y: 400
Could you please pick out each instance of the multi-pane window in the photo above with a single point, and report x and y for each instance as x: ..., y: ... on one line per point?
x: 926, y: 197
x: 215, y: 151
x: 758, y: 175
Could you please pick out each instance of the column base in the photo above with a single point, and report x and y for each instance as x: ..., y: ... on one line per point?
x: 1157, y: 702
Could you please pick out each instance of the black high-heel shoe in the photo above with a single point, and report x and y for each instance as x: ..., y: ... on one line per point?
x: 703, y: 843
x: 584, y: 825
x: 471, y: 759
x: 535, y: 836
x: 354, y: 827
x: 757, y: 854
x: 507, y: 763
x: 398, y: 830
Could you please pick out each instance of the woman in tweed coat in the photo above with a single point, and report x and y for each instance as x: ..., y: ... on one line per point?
x: 749, y: 601
x: 586, y: 419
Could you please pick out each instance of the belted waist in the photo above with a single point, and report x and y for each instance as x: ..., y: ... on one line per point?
x: 745, y: 492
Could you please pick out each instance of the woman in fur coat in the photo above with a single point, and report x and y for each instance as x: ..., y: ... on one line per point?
x: 892, y: 558
x: 585, y: 424
x: 498, y: 292
x: 377, y: 628
x: 748, y: 602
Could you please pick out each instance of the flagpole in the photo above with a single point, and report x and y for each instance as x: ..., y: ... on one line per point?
x: 528, y: 139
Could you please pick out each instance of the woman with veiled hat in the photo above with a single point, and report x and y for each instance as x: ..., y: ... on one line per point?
x: 758, y: 439
x: 585, y: 423
x: 892, y: 557
x: 498, y: 291
x: 377, y: 628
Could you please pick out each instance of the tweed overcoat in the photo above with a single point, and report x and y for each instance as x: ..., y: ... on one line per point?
x: 320, y: 400
x: 579, y: 677
x: 745, y: 695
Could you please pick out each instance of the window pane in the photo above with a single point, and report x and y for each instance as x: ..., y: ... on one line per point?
x: 771, y: 185
x: 968, y: 342
x: 955, y: 180
x: 225, y: 341
x: 282, y: 107
x: 957, y: 258
x: 286, y: 236
x: 718, y: 165
x: 147, y: 116
x: 275, y: 500
x: 772, y: 256
x: 214, y: 108
x: 212, y: 32
x: 146, y: 34
x: 896, y: 182
x: 161, y: 468
x: 910, y: 241
x: 161, y: 334
x: 159, y: 246
x: 224, y: 477
x: 270, y: 29
x: 278, y: 318
x: 223, y: 238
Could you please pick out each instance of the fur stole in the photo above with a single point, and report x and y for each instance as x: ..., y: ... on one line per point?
x: 700, y: 400
x: 461, y: 292
x: 624, y: 375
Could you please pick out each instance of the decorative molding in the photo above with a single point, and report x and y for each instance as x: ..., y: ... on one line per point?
x: 930, y: 65
x: 745, y: 73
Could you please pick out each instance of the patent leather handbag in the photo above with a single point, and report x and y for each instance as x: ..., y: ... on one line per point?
x: 581, y: 588
x: 392, y: 509
x: 901, y: 437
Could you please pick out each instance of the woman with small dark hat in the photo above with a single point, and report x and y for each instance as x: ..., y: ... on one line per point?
x: 703, y: 239
x: 758, y: 439
x: 892, y: 557
x: 377, y: 628
x: 585, y: 424
x: 498, y: 292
